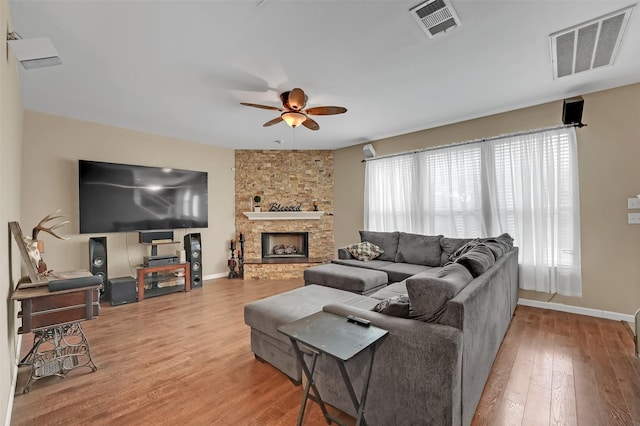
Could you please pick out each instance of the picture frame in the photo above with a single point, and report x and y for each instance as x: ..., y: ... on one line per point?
x: 24, y: 254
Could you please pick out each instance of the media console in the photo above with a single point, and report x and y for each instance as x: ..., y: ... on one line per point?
x: 161, y: 274
x: 163, y: 279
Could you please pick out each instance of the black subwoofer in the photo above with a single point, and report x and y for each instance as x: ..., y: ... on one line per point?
x: 193, y: 248
x: 98, y: 263
x: 123, y: 290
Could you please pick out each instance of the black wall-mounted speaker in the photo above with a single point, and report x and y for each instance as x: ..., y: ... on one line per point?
x: 98, y: 263
x: 572, y: 110
x: 123, y: 290
x: 193, y: 248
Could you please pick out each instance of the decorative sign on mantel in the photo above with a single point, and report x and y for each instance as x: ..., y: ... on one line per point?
x: 277, y: 207
x: 286, y: 215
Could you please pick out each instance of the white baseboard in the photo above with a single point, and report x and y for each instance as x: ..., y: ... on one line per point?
x: 214, y: 276
x: 14, y: 381
x: 616, y: 316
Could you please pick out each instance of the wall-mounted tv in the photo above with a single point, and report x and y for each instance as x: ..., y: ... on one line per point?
x: 123, y: 197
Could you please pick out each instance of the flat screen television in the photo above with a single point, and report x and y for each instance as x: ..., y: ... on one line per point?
x: 122, y: 197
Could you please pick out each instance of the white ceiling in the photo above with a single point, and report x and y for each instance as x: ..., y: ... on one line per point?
x: 181, y: 68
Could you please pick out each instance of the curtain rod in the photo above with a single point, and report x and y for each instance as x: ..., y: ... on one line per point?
x: 480, y: 140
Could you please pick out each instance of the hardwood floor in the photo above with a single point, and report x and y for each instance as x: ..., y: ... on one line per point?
x: 555, y: 368
x: 186, y: 358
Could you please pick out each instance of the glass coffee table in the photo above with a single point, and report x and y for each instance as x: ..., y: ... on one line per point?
x: 335, y: 336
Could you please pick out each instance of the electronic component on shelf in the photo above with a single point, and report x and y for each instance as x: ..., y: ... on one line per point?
x: 160, y: 260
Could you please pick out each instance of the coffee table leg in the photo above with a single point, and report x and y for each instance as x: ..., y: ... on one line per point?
x: 310, y: 384
x: 358, y: 405
x: 365, y: 388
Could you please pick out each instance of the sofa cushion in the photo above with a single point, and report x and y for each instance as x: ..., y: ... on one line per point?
x: 477, y: 260
x: 419, y: 249
x: 356, y: 280
x: 400, y: 271
x: 371, y: 264
x: 428, y: 295
x: 395, y: 289
x: 499, y: 245
x: 496, y: 247
x: 396, y: 306
x: 364, y: 250
x: 387, y: 241
x: 464, y: 249
x: 449, y: 246
x: 266, y: 315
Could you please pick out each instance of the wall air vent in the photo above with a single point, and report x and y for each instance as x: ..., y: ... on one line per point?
x: 435, y: 17
x: 588, y: 45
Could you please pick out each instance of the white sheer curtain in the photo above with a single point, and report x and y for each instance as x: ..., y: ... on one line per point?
x: 525, y: 185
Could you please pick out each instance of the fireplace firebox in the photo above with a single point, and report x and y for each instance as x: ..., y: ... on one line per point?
x: 285, y: 245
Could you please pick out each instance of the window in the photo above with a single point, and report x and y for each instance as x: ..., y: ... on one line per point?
x: 526, y: 185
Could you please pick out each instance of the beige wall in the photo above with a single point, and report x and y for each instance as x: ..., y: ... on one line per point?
x: 10, y: 154
x: 608, y: 150
x: 52, y: 147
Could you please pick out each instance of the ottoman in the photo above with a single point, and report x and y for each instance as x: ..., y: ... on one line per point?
x: 266, y: 315
x: 353, y: 279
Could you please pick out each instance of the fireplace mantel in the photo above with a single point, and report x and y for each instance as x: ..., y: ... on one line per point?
x: 284, y: 215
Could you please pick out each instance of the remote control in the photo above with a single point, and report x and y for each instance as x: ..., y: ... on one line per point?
x: 359, y: 321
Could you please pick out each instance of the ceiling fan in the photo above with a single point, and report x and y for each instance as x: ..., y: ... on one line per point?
x: 293, y: 112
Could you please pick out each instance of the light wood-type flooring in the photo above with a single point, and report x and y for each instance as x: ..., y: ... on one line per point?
x: 185, y: 359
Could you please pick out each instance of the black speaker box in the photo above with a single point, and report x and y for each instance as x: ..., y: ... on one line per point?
x: 98, y: 263
x: 151, y: 236
x: 572, y: 110
x: 123, y: 290
x: 193, y: 249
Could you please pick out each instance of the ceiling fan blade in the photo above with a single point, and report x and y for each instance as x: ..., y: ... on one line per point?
x: 309, y: 123
x: 261, y: 106
x: 272, y: 122
x: 325, y: 110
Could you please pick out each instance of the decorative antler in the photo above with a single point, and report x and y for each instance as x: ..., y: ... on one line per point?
x: 48, y: 218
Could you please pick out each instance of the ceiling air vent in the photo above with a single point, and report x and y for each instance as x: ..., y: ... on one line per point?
x: 435, y: 16
x: 588, y: 45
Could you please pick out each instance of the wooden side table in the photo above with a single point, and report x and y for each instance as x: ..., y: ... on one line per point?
x: 59, y: 343
x: 332, y: 335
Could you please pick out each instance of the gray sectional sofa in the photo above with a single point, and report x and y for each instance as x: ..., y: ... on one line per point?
x: 447, y: 309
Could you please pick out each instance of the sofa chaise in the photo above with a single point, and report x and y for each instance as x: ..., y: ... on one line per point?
x: 446, y: 321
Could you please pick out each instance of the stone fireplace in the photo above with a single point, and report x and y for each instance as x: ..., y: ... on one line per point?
x: 285, y: 178
x: 285, y: 245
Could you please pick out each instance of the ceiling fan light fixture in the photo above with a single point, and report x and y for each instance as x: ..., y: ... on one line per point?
x: 293, y: 118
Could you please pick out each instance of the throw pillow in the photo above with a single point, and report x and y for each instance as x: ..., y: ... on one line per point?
x: 364, y: 251
x: 396, y: 306
x: 477, y: 260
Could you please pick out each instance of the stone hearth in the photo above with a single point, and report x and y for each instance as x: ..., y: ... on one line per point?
x: 288, y: 178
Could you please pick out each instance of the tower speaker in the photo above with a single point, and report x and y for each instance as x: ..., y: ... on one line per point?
x: 98, y: 263
x: 572, y: 110
x: 194, y: 256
